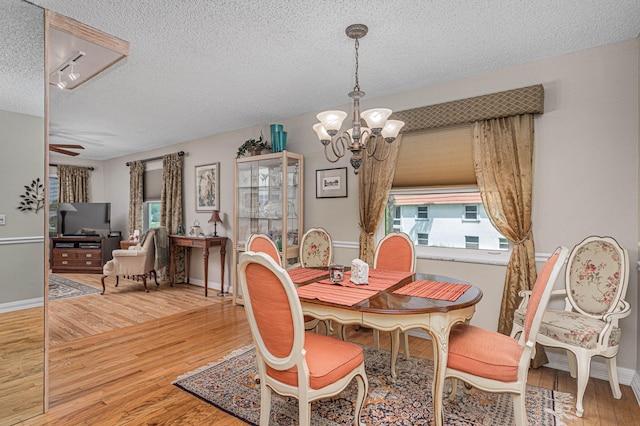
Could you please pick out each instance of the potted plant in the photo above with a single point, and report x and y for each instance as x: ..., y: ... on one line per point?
x: 253, y: 147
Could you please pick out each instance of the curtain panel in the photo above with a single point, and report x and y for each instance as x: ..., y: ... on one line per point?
x: 375, y: 179
x: 171, y: 208
x: 73, y: 184
x: 136, y: 190
x: 503, y: 161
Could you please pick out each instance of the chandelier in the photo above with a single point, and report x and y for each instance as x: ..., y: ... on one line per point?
x: 358, y: 139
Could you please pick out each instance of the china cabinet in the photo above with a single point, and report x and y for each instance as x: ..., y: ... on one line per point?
x: 268, y: 199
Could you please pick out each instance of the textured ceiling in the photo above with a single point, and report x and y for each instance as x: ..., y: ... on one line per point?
x: 202, y: 67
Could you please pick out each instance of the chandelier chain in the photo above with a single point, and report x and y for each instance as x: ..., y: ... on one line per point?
x: 356, y: 88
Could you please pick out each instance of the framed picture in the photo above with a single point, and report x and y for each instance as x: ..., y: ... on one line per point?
x: 208, y: 187
x: 331, y: 183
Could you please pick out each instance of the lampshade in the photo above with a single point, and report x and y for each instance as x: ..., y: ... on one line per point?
x: 332, y: 120
x: 215, y: 216
x: 66, y: 207
x: 321, y: 132
x: 376, y: 118
x: 391, y: 129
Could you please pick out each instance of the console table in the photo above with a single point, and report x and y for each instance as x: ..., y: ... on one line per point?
x: 203, y: 243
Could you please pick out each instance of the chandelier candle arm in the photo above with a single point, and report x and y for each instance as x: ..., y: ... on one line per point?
x: 357, y: 139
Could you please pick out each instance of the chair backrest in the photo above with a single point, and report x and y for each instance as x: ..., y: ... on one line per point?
x: 395, y: 252
x: 273, y: 310
x: 261, y: 243
x: 542, y: 292
x: 316, y: 248
x: 597, y: 276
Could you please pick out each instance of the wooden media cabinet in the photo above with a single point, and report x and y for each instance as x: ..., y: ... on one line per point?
x: 81, y: 254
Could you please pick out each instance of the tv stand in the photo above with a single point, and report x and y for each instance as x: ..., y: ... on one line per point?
x: 81, y: 254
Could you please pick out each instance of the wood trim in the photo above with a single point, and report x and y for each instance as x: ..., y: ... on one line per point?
x: 88, y: 33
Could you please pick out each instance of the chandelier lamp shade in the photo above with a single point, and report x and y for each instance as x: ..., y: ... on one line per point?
x: 358, y: 139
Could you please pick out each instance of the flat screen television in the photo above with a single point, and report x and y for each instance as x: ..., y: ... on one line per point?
x: 84, y: 219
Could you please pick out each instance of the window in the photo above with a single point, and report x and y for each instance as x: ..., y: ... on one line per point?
x: 423, y: 212
x: 504, y: 243
x: 151, y: 211
x: 470, y: 212
x: 471, y: 242
x: 397, y: 219
x: 53, y: 205
x: 423, y: 239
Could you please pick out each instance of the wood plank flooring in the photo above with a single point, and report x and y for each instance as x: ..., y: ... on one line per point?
x: 112, y: 359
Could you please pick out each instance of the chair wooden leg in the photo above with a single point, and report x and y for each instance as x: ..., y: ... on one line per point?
x: 155, y: 276
x: 363, y: 388
x: 103, y: 287
x: 613, y: 377
x: 144, y: 282
x: 265, y: 403
x: 519, y: 409
x: 117, y: 280
x: 584, y: 367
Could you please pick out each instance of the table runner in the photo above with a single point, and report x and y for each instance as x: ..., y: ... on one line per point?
x: 335, y: 294
x: 379, y: 280
x: 302, y: 275
x: 434, y: 290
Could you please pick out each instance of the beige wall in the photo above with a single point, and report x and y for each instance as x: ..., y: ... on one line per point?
x: 585, y: 180
x: 21, y: 261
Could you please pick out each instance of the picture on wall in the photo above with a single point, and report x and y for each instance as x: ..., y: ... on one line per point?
x: 208, y: 187
x: 331, y: 183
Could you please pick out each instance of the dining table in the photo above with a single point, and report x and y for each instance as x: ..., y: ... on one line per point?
x: 393, y: 300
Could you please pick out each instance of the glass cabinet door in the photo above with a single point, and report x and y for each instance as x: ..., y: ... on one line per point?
x: 268, y: 197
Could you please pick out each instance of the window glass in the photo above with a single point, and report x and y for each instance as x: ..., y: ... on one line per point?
x: 456, y: 219
x: 53, y: 205
x: 151, y: 210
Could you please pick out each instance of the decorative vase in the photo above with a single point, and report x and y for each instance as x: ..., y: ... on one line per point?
x: 276, y: 131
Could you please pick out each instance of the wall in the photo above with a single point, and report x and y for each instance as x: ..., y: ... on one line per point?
x: 585, y: 175
x: 21, y: 260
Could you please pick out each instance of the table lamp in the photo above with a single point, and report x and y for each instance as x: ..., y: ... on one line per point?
x: 215, y: 218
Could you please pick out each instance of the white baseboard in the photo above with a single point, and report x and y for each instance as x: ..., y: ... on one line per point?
x: 21, y: 304
x: 635, y: 385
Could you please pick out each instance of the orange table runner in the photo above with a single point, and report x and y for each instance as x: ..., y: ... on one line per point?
x: 434, y: 290
x: 379, y: 280
x: 335, y: 294
x: 302, y: 275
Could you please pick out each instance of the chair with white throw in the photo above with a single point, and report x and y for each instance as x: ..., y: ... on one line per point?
x: 494, y: 362
x: 596, y: 281
x: 292, y: 361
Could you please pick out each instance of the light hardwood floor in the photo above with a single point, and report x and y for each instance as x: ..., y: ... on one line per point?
x: 112, y: 359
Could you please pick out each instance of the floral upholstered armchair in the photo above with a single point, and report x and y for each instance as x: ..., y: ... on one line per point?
x: 596, y: 281
x: 316, y: 248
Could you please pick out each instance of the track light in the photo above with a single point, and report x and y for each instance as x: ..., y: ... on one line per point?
x: 61, y: 83
x: 73, y: 76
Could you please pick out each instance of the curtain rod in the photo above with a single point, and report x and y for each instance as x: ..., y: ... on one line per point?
x: 55, y: 165
x: 181, y: 153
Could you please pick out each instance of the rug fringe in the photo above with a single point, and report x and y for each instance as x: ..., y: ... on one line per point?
x: 232, y: 354
x: 563, y: 404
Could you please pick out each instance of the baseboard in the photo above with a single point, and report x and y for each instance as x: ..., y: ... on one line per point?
x: 635, y: 385
x: 21, y: 304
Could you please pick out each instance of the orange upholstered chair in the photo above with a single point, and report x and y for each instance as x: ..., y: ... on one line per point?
x: 261, y: 243
x: 291, y: 361
x: 395, y: 252
x: 497, y: 363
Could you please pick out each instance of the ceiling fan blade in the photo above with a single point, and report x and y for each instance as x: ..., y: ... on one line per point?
x: 62, y: 151
x: 62, y: 145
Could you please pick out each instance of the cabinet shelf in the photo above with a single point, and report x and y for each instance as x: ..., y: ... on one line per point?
x: 268, y: 199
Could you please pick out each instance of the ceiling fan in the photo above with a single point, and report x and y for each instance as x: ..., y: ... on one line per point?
x: 65, y: 148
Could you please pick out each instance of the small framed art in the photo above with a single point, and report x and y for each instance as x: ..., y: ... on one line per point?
x: 208, y: 187
x: 331, y: 183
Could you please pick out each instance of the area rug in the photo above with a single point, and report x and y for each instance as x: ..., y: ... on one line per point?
x: 62, y: 288
x: 230, y: 386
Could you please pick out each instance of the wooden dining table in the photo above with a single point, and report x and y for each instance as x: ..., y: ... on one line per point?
x: 383, y: 307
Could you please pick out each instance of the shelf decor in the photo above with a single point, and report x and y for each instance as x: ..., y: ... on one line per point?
x: 331, y: 183
x: 208, y: 187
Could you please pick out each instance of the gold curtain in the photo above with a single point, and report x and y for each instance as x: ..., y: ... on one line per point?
x: 73, y: 184
x: 375, y: 179
x: 171, y: 207
x: 136, y: 192
x: 503, y: 161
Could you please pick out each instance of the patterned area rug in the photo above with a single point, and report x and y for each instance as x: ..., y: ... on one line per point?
x: 62, y: 288
x: 230, y: 386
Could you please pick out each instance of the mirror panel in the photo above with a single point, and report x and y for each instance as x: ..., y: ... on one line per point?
x: 22, y: 244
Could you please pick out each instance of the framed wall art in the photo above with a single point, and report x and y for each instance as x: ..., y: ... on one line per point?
x: 331, y: 183
x: 208, y: 187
